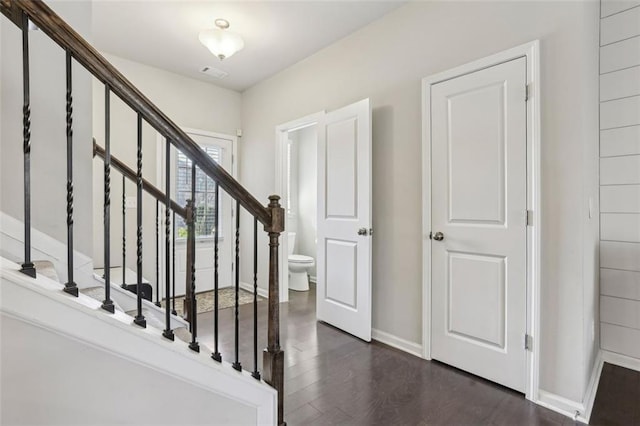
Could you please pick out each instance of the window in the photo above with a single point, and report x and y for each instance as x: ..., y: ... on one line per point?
x: 205, y: 201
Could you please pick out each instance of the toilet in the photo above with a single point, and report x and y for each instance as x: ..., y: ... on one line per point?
x: 299, y: 266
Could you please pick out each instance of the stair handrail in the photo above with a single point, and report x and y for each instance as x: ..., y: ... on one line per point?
x: 147, y: 186
x: 67, y: 38
x: 272, y: 216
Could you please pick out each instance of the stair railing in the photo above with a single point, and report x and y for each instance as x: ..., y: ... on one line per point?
x: 21, y: 12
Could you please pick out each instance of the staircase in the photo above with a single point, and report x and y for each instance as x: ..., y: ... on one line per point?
x: 37, y: 276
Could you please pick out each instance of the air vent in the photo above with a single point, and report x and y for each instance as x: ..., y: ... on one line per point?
x: 214, y: 72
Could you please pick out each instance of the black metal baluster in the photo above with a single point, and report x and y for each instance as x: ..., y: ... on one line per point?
x: 256, y: 373
x: 237, y: 364
x: 194, y: 308
x: 168, y: 333
x: 28, y: 267
x: 70, y: 286
x: 107, y: 304
x: 158, y: 253
x: 173, y: 264
x: 139, y: 319
x: 124, y: 233
x: 216, y: 354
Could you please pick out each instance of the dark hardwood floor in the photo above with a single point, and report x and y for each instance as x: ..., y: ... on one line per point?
x: 333, y: 378
x: 618, y: 398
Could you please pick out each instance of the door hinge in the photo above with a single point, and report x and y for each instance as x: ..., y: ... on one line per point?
x: 529, y: 217
x: 528, y: 342
x: 527, y: 88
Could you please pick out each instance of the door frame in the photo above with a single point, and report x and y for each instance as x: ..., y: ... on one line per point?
x: 160, y: 173
x: 531, y: 52
x: 281, y: 186
x: 160, y: 151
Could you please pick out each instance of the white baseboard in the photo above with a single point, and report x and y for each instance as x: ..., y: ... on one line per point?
x: 579, y: 411
x: 312, y: 279
x: 621, y: 360
x: 397, y: 342
x: 592, y: 387
x: 560, y: 404
x: 249, y: 287
x: 44, y: 247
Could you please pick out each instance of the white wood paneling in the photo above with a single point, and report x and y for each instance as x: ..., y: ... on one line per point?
x: 620, y: 26
x: 609, y: 7
x: 621, y: 141
x: 620, y: 177
x: 619, y: 255
x: 625, y: 312
x: 619, y: 84
x: 623, y: 54
x: 625, y: 284
x: 620, y: 112
x: 620, y: 227
x: 620, y: 170
x: 620, y: 199
x: 622, y: 340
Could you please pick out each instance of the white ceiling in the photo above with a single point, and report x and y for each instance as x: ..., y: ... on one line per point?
x: 164, y: 34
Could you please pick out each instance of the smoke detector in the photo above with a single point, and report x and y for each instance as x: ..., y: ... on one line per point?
x: 214, y: 72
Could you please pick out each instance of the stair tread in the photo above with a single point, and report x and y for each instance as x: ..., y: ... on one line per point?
x: 131, y: 277
x: 46, y: 268
x: 97, y: 293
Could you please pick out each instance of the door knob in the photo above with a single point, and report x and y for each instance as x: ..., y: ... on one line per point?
x: 362, y: 231
x: 438, y: 236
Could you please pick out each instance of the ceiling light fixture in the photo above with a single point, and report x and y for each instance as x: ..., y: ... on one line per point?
x: 221, y: 42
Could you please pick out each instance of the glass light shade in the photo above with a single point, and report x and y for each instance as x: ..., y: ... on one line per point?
x: 221, y: 43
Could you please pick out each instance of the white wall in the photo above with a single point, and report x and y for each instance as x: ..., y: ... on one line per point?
x: 386, y: 61
x: 307, y: 141
x: 620, y: 177
x: 48, y: 129
x: 189, y: 103
x: 78, y: 384
x: 100, y: 368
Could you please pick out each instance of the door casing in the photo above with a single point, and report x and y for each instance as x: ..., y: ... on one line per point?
x: 531, y: 52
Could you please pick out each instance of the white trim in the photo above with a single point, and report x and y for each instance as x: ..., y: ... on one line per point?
x: 579, y: 411
x: 592, y: 387
x: 312, y: 279
x: 281, y: 185
x: 160, y: 152
x: 263, y: 292
x: 621, y: 360
x: 559, y: 404
x: 397, y: 342
x: 531, y: 52
x: 44, y: 247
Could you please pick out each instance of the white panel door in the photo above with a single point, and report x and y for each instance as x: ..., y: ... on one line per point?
x: 344, y: 219
x: 478, y: 125
x: 221, y: 151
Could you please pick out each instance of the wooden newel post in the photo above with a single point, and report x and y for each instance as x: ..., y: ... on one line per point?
x: 273, y: 357
x: 191, y: 238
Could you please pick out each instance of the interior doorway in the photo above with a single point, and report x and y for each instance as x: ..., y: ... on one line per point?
x: 344, y: 215
x: 296, y: 182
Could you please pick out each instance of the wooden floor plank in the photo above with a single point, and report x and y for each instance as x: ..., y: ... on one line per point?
x: 333, y: 378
